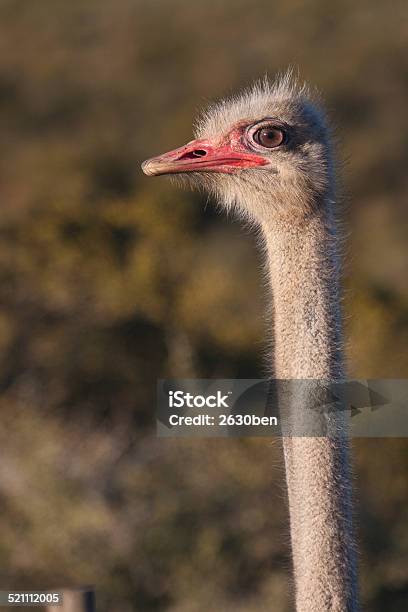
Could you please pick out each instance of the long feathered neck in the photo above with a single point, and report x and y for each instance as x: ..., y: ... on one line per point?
x: 303, y: 270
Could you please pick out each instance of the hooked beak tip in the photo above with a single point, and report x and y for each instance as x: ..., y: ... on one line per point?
x: 148, y: 168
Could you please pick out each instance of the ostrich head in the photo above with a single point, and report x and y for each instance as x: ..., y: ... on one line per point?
x: 266, y: 152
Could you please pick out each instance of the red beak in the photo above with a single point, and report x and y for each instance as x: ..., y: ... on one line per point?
x: 202, y: 156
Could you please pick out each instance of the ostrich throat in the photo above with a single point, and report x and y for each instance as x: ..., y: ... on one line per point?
x: 303, y: 271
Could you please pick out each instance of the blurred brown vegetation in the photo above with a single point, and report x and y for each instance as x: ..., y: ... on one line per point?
x: 110, y: 280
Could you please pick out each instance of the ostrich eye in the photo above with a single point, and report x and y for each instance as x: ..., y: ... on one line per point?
x: 269, y: 137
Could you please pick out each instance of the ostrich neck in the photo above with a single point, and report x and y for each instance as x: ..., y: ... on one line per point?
x: 303, y: 272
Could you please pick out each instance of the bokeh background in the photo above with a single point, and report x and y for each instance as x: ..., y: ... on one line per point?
x: 109, y: 280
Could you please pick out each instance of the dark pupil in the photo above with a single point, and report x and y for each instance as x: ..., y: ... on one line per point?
x: 269, y: 137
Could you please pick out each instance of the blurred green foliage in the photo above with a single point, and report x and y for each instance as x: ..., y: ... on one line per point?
x: 110, y: 280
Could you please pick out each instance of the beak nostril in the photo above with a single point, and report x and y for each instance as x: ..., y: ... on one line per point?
x: 193, y: 154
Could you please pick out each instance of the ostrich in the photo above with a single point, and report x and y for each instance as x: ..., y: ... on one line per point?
x: 267, y: 154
